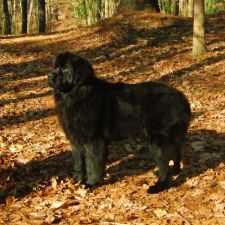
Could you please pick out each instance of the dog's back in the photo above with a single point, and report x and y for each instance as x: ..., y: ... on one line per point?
x: 134, y: 109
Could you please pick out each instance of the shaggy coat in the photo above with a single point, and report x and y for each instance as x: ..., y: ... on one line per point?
x: 93, y: 112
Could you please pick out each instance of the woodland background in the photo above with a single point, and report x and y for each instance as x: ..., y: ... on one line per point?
x: 66, y: 14
x: 126, y: 41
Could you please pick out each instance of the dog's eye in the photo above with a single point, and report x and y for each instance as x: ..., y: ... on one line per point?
x: 65, y: 70
x: 67, y: 75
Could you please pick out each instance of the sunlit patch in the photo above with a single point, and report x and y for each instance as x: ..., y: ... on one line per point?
x: 181, y: 165
x: 171, y: 163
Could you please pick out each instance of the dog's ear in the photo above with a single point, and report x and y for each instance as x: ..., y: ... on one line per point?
x: 83, y: 71
x: 62, y: 59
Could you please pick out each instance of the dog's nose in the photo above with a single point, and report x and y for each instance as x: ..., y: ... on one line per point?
x: 50, y: 79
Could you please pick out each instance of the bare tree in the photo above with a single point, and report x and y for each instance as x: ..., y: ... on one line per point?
x: 99, y: 10
x: 7, y: 21
x: 24, y: 17
x: 190, y: 8
x: 154, y: 5
x: 199, y: 47
x: 30, y: 11
x: 41, y: 16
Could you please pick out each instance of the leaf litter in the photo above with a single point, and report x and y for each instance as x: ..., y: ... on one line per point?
x: 36, y: 170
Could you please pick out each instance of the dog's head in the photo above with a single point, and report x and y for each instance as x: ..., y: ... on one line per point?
x: 70, y: 70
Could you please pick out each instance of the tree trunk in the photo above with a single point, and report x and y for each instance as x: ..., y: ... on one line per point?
x: 85, y: 11
x: 190, y: 8
x: 174, y: 7
x: 107, y: 9
x: 199, y: 47
x: 24, y: 16
x: 41, y: 16
x: 154, y: 5
x: 183, y: 7
x: 139, y: 5
x: 7, y: 25
x: 30, y: 11
x: 99, y: 10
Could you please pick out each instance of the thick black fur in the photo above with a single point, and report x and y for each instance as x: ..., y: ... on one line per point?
x: 93, y: 112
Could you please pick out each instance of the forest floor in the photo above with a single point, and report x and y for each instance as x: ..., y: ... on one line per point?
x: 36, y: 184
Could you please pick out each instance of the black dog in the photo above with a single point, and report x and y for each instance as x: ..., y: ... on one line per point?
x: 93, y: 112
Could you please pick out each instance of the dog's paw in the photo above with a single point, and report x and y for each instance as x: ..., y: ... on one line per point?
x: 91, y: 186
x: 158, y: 187
x: 78, y: 177
x: 93, y: 183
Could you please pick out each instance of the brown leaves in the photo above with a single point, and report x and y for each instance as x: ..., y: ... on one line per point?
x: 36, y: 185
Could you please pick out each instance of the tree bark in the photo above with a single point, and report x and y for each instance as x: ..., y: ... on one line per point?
x: 107, y: 15
x: 190, y: 8
x: 41, y: 16
x: 183, y: 7
x: 30, y: 11
x: 154, y: 5
x: 199, y: 47
x: 24, y: 17
x: 99, y: 10
x: 7, y: 24
x: 174, y: 7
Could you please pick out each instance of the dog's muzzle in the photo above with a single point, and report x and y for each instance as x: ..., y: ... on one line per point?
x: 51, y: 79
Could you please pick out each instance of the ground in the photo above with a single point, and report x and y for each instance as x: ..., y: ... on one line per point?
x: 36, y: 184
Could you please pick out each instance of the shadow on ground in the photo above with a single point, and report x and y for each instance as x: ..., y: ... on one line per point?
x: 23, y: 179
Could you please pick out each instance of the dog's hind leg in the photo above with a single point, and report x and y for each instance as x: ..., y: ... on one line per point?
x: 176, y: 161
x: 160, y: 153
x: 178, y: 134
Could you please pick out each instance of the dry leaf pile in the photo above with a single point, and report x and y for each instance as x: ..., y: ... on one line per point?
x: 36, y: 185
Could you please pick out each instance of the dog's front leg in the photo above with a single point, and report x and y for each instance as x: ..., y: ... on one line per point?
x: 79, y: 167
x: 95, y: 157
